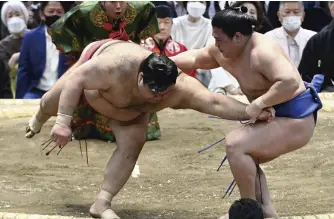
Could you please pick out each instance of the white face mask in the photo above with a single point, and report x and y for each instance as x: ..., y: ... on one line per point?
x: 292, y: 23
x: 16, y: 25
x: 195, y: 9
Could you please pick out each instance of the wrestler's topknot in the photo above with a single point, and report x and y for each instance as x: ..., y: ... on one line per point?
x: 234, y: 19
x: 159, y: 71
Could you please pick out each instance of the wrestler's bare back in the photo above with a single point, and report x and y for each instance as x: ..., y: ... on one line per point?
x: 246, y: 70
x: 121, y: 100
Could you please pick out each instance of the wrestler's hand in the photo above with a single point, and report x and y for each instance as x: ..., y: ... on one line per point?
x: 61, y: 134
x: 267, y: 114
x: 253, y: 112
x: 254, y: 109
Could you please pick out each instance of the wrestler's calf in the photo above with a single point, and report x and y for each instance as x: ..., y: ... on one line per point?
x: 248, y: 174
x: 130, y: 139
x: 242, y: 166
x: 121, y: 164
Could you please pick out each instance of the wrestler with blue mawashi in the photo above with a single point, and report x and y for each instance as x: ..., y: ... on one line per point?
x: 271, y: 82
x: 301, y: 106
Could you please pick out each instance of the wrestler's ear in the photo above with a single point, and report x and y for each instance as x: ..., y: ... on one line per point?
x: 140, y: 77
x: 237, y: 37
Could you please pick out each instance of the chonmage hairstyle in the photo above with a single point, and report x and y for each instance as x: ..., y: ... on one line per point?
x: 246, y: 208
x: 159, y: 71
x: 232, y: 20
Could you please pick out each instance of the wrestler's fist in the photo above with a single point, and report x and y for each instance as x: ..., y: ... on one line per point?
x: 61, y: 134
x: 253, y: 111
x: 267, y: 114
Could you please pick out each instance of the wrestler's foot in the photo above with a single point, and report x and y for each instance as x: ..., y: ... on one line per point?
x: 102, y: 209
x: 34, y: 127
x: 269, y: 212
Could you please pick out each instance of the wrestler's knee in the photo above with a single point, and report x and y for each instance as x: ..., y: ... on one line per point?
x: 131, y: 145
x: 233, y: 144
x: 44, y: 100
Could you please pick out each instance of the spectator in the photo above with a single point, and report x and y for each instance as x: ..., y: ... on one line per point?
x: 291, y: 36
x: 256, y: 10
x: 162, y: 43
x: 192, y: 30
x: 40, y: 63
x: 316, y: 12
x: 317, y: 60
x: 3, y: 29
x: 14, y: 15
x: 33, y: 10
x: 92, y: 21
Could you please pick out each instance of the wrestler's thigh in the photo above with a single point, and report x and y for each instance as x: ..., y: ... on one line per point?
x: 266, y: 141
x: 131, y: 136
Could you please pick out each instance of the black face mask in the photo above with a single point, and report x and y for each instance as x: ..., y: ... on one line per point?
x: 49, y: 20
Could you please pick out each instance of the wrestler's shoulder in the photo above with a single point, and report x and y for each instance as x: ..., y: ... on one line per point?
x: 184, y: 80
x: 265, y: 45
x: 214, y: 51
x: 263, y: 52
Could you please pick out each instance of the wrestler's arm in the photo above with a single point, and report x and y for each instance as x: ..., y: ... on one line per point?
x: 92, y: 75
x: 278, y: 70
x: 196, y: 59
x: 191, y: 94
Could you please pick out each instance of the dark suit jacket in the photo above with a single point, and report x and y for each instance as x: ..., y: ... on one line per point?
x: 32, y: 61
